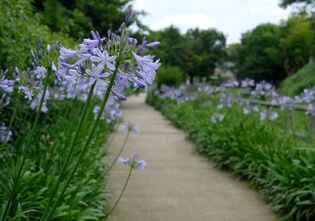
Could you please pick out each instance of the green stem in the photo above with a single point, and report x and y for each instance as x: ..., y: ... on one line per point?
x: 119, y: 153
x: 121, y: 194
x: 68, y: 157
x: 14, y: 111
x: 25, y: 154
x: 89, y: 139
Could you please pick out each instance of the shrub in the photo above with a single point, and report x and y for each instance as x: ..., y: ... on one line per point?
x: 170, y: 75
x: 20, y: 32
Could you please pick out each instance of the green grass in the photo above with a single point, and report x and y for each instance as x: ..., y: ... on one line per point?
x: 304, y: 78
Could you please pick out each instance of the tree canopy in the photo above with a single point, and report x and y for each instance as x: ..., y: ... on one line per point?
x: 254, y: 59
x: 286, y: 3
x: 78, y: 17
x: 197, y: 52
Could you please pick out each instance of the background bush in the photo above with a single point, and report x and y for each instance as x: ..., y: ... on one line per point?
x: 170, y: 76
x: 21, y: 31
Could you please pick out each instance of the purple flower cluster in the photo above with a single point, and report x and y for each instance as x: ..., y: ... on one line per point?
x: 134, y: 162
x: 6, y: 85
x: 216, y: 117
x: 5, y: 134
x: 129, y: 127
x: 249, y: 95
x: 95, y: 62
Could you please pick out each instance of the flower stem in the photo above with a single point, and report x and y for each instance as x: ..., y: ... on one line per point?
x: 72, y: 145
x: 16, y: 180
x: 89, y: 139
x: 119, y: 153
x: 84, y: 150
x: 121, y: 194
x: 14, y: 112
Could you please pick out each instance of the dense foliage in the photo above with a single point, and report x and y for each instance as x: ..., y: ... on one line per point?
x: 285, y: 3
x: 170, y: 75
x: 197, y: 52
x: 253, y: 57
x: 86, y: 195
x: 78, y: 17
x: 21, y: 31
x: 263, y: 151
x: 273, y: 52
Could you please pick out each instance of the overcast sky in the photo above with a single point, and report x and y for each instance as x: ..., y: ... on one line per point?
x: 232, y: 17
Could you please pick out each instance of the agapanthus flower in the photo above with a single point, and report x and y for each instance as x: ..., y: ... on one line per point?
x: 220, y: 106
x: 90, y: 44
x: 256, y: 108
x: 216, y: 117
x: 273, y: 116
x: 35, y: 102
x: 40, y: 72
x: 310, y: 110
x: 5, y: 134
x: 113, y: 113
x: 308, y: 95
x: 146, y: 68
x: 128, y: 127
x: 129, y: 16
x: 96, y: 110
x: 263, y: 115
x: 6, y: 85
x: 66, y: 54
x: 246, y: 111
x: 247, y: 83
x: 96, y: 73
x: 274, y: 102
x: 104, y: 58
x: 152, y: 44
x: 28, y: 93
x: 134, y: 162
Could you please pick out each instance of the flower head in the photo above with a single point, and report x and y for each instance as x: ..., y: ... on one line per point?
x: 7, y: 85
x: 246, y: 111
x: 217, y: 118
x: 273, y: 116
x: 128, y: 127
x: 5, y: 134
x: 40, y: 72
x: 134, y: 162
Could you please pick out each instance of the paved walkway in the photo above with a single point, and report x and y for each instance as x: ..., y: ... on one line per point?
x: 178, y: 185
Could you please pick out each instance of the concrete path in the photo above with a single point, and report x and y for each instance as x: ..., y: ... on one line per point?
x: 178, y: 185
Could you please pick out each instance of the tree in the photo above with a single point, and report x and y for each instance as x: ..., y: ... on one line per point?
x: 208, y: 50
x: 197, y: 52
x: 256, y: 55
x: 286, y: 3
x: 296, y: 42
x: 78, y: 17
x: 172, y: 46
